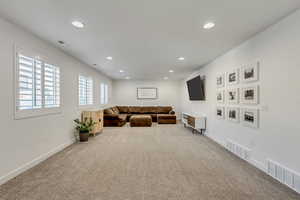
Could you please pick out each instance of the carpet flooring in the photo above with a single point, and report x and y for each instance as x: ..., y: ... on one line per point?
x: 163, y: 162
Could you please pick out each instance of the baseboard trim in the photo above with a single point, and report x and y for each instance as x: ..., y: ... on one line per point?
x: 12, y: 174
x: 215, y: 140
x: 257, y: 164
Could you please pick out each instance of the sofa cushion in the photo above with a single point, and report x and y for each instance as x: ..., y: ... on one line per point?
x: 123, y: 117
x: 135, y: 109
x: 116, y: 110
x: 111, y: 116
x: 109, y: 111
x: 149, y: 109
x: 164, y: 109
x: 123, y: 109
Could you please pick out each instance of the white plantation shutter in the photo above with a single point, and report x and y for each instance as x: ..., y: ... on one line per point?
x: 82, y: 90
x: 103, y: 93
x: 106, y: 93
x: 38, y: 84
x: 51, y: 86
x: 85, y: 87
x: 29, y: 83
x: 89, y: 91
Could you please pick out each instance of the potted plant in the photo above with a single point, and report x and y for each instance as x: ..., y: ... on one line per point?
x: 84, y: 128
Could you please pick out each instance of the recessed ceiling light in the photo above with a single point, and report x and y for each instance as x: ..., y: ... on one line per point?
x: 127, y: 77
x: 181, y: 58
x: 78, y: 24
x: 121, y: 71
x: 166, y: 78
x: 109, y: 58
x: 209, y: 25
x: 171, y: 71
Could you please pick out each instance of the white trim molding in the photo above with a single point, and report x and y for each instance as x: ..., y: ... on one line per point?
x: 12, y: 174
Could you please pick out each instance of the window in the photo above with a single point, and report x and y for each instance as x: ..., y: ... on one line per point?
x: 85, y: 90
x: 103, y: 93
x: 37, y: 85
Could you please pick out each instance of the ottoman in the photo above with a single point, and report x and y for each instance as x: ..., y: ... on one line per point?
x: 140, y: 120
x: 166, y: 119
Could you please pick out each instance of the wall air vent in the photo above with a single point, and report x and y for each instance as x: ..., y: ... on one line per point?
x: 238, y: 150
x: 284, y: 175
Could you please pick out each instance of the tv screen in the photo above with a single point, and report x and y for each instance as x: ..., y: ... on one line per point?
x: 196, y: 89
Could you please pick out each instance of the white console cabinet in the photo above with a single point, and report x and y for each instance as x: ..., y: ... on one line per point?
x: 197, y: 123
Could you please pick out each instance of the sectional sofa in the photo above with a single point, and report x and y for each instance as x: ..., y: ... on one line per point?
x: 119, y: 115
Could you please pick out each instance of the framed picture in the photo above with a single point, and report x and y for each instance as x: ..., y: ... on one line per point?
x: 220, y: 96
x: 233, y: 96
x: 220, y: 80
x: 249, y: 95
x: 220, y: 112
x: 233, y: 114
x: 249, y: 73
x: 233, y: 77
x: 249, y: 117
x: 147, y: 93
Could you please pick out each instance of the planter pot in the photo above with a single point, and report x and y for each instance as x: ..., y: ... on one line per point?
x: 84, y: 136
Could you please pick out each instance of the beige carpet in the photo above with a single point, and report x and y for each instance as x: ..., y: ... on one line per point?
x: 165, y: 162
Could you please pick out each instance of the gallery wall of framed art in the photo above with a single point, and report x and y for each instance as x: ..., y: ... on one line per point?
x: 237, y: 95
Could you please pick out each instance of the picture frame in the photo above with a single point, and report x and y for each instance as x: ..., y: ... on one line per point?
x: 220, y: 112
x: 220, y: 96
x: 232, y: 96
x: 250, y: 117
x: 249, y: 95
x: 250, y: 73
x: 220, y: 80
x: 232, y: 77
x: 147, y: 93
x: 233, y: 114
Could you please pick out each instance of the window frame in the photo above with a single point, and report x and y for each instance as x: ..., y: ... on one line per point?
x: 78, y: 92
x: 35, y: 112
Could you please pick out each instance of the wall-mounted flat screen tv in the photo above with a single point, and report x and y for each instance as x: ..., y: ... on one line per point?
x: 196, y: 89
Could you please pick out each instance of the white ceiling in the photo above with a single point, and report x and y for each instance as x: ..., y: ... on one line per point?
x: 145, y: 37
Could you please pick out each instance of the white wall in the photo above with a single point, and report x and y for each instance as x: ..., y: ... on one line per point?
x: 125, y: 93
x: 25, y: 142
x: 278, y: 137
